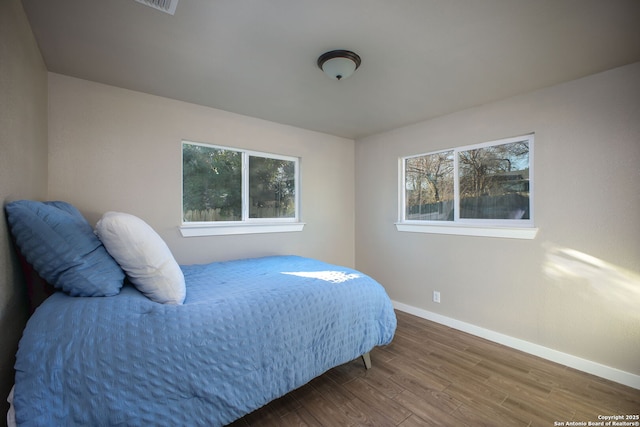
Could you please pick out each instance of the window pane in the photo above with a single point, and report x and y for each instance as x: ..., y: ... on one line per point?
x: 494, y: 182
x: 271, y: 188
x: 211, y: 184
x: 429, y: 187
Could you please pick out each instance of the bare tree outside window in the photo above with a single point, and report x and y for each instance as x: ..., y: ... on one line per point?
x: 486, y: 182
x: 494, y: 182
x: 429, y: 187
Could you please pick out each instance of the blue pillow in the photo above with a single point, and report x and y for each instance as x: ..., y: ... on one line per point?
x: 60, y: 244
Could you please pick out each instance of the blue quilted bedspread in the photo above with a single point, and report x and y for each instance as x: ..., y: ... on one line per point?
x: 249, y: 331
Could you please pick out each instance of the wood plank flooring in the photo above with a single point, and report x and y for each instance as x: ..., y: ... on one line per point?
x: 432, y: 375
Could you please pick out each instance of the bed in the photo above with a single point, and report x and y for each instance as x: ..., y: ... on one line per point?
x: 235, y: 336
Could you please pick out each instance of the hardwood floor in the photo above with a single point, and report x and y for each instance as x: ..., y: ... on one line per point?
x: 432, y: 375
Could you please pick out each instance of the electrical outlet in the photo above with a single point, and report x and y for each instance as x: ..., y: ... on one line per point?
x: 436, y: 296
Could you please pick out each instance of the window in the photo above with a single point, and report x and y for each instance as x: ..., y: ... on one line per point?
x: 466, y: 189
x: 231, y: 191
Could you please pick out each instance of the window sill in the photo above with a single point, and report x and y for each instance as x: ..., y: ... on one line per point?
x: 462, y: 230
x: 195, y: 230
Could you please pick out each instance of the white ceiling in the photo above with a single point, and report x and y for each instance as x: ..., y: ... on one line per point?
x: 420, y: 58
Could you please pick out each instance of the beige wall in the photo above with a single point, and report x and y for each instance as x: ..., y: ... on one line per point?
x: 114, y: 149
x: 587, y: 199
x: 23, y: 165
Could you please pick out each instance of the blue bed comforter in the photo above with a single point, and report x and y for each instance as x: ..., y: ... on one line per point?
x: 249, y: 331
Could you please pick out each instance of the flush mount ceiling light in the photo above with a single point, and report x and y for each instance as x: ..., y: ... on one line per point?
x: 339, y: 64
x: 166, y: 6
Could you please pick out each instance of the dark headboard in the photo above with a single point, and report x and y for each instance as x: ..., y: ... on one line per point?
x: 37, y: 288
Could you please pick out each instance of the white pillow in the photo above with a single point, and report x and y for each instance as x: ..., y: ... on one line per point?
x: 144, y: 256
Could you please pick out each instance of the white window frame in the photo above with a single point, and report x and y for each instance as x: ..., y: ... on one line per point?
x: 504, y: 228
x: 247, y: 225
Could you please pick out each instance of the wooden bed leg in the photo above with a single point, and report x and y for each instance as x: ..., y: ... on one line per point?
x: 366, y: 358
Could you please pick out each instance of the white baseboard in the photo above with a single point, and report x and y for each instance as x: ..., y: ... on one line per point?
x: 574, y: 362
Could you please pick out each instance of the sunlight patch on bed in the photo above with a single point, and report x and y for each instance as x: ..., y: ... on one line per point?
x: 327, y: 276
